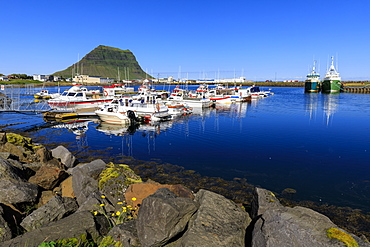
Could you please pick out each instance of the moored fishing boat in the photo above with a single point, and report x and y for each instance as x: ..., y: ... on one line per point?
x: 44, y: 94
x: 177, y: 108
x: 78, y: 97
x: 312, y: 83
x: 115, y: 113
x: 332, y: 81
x: 126, y: 109
x: 191, y: 100
x: 116, y: 90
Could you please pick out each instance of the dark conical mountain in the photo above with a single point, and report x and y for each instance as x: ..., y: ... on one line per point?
x: 106, y: 62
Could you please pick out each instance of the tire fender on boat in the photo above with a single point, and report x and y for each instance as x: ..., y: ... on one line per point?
x: 105, y: 93
x: 158, y: 107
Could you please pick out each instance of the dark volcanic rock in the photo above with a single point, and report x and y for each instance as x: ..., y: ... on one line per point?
x: 126, y: 233
x: 277, y: 225
x: 162, y: 216
x: 55, y: 209
x: 44, y: 155
x: 218, y: 222
x: 263, y: 200
x: 85, y: 179
x: 73, y: 226
x: 5, y: 232
x: 65, y: 156
x: 14, y: 189
x: 48, y: 177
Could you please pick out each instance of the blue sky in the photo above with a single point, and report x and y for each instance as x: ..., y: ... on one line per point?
x: 261, y: 40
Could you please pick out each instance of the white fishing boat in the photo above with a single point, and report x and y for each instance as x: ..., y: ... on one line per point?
x: 182, y: 96
x: 116, y: 90
x: 44, y: 94
x: 223, y: 95
x: 332, y: 81
x: 176, y: 108
x: 78, y: 97
x: 122, y: 110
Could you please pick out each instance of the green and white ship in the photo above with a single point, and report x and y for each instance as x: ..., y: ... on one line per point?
x: 332, y: 81
x: 312, y: 83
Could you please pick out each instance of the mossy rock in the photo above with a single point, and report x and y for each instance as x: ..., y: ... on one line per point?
x: 347, y: 239
x: 19, y: 140
x: 108, y: 241
x: 114, y: 181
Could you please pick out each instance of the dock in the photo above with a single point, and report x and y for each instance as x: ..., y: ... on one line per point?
x: 362, y: 88
x: 64, y: 115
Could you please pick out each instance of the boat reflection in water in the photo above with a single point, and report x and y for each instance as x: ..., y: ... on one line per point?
x: 130, y: 129
x: 236, y: 110
x: 311, y: 104
x: 77, y: 126
x: 127, y: 132
x: 331, y: 102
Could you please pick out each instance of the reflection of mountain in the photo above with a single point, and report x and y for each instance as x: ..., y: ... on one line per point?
x: 311, y: 103
x: 331, y: 102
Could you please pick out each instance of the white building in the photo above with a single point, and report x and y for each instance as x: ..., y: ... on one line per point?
x: 87, y: 79
x: 40, y: 77
x: 4, y: 78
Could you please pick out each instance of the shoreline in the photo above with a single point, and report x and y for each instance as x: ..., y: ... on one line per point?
x: 237, y: 190
x: 248, y: 83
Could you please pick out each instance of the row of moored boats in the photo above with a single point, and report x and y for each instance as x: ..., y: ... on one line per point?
x: 119, y: 104
x: 330, y: 84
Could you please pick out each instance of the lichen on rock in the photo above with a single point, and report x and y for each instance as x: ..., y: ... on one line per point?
x: 114, y: 181
x: 347, y: 239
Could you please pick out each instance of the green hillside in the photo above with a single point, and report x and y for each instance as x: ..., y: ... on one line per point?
x: 106, y: 62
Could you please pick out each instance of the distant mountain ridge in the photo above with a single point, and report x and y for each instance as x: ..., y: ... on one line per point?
x: 106, y: 62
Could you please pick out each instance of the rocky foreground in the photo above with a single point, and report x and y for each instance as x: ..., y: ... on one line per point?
x: 48, y: 198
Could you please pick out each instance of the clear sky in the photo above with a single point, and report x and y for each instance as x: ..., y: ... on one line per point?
x: 257, y: 39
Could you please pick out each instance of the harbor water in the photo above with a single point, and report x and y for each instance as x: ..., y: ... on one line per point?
x: 316, y: 144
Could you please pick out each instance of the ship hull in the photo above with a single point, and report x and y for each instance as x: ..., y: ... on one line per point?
x: 331, y: 86
x: 312, y: 87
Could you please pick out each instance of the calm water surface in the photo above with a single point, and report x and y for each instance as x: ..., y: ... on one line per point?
x: 317, y: 144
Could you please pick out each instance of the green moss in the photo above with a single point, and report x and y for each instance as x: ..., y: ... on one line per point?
x: 82, y: 241
x: 347, y: 239
x: 114, y: 171
x: 18, y: 140
x: 107, y: 175
x: 109, y: 241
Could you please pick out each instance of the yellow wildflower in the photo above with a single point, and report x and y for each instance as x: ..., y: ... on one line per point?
x: 103, y: 196
x: 134, y: 198
x: 95, y: 212
x: 119, y: 202
x: 102, y: 205
x: 118, y: 213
